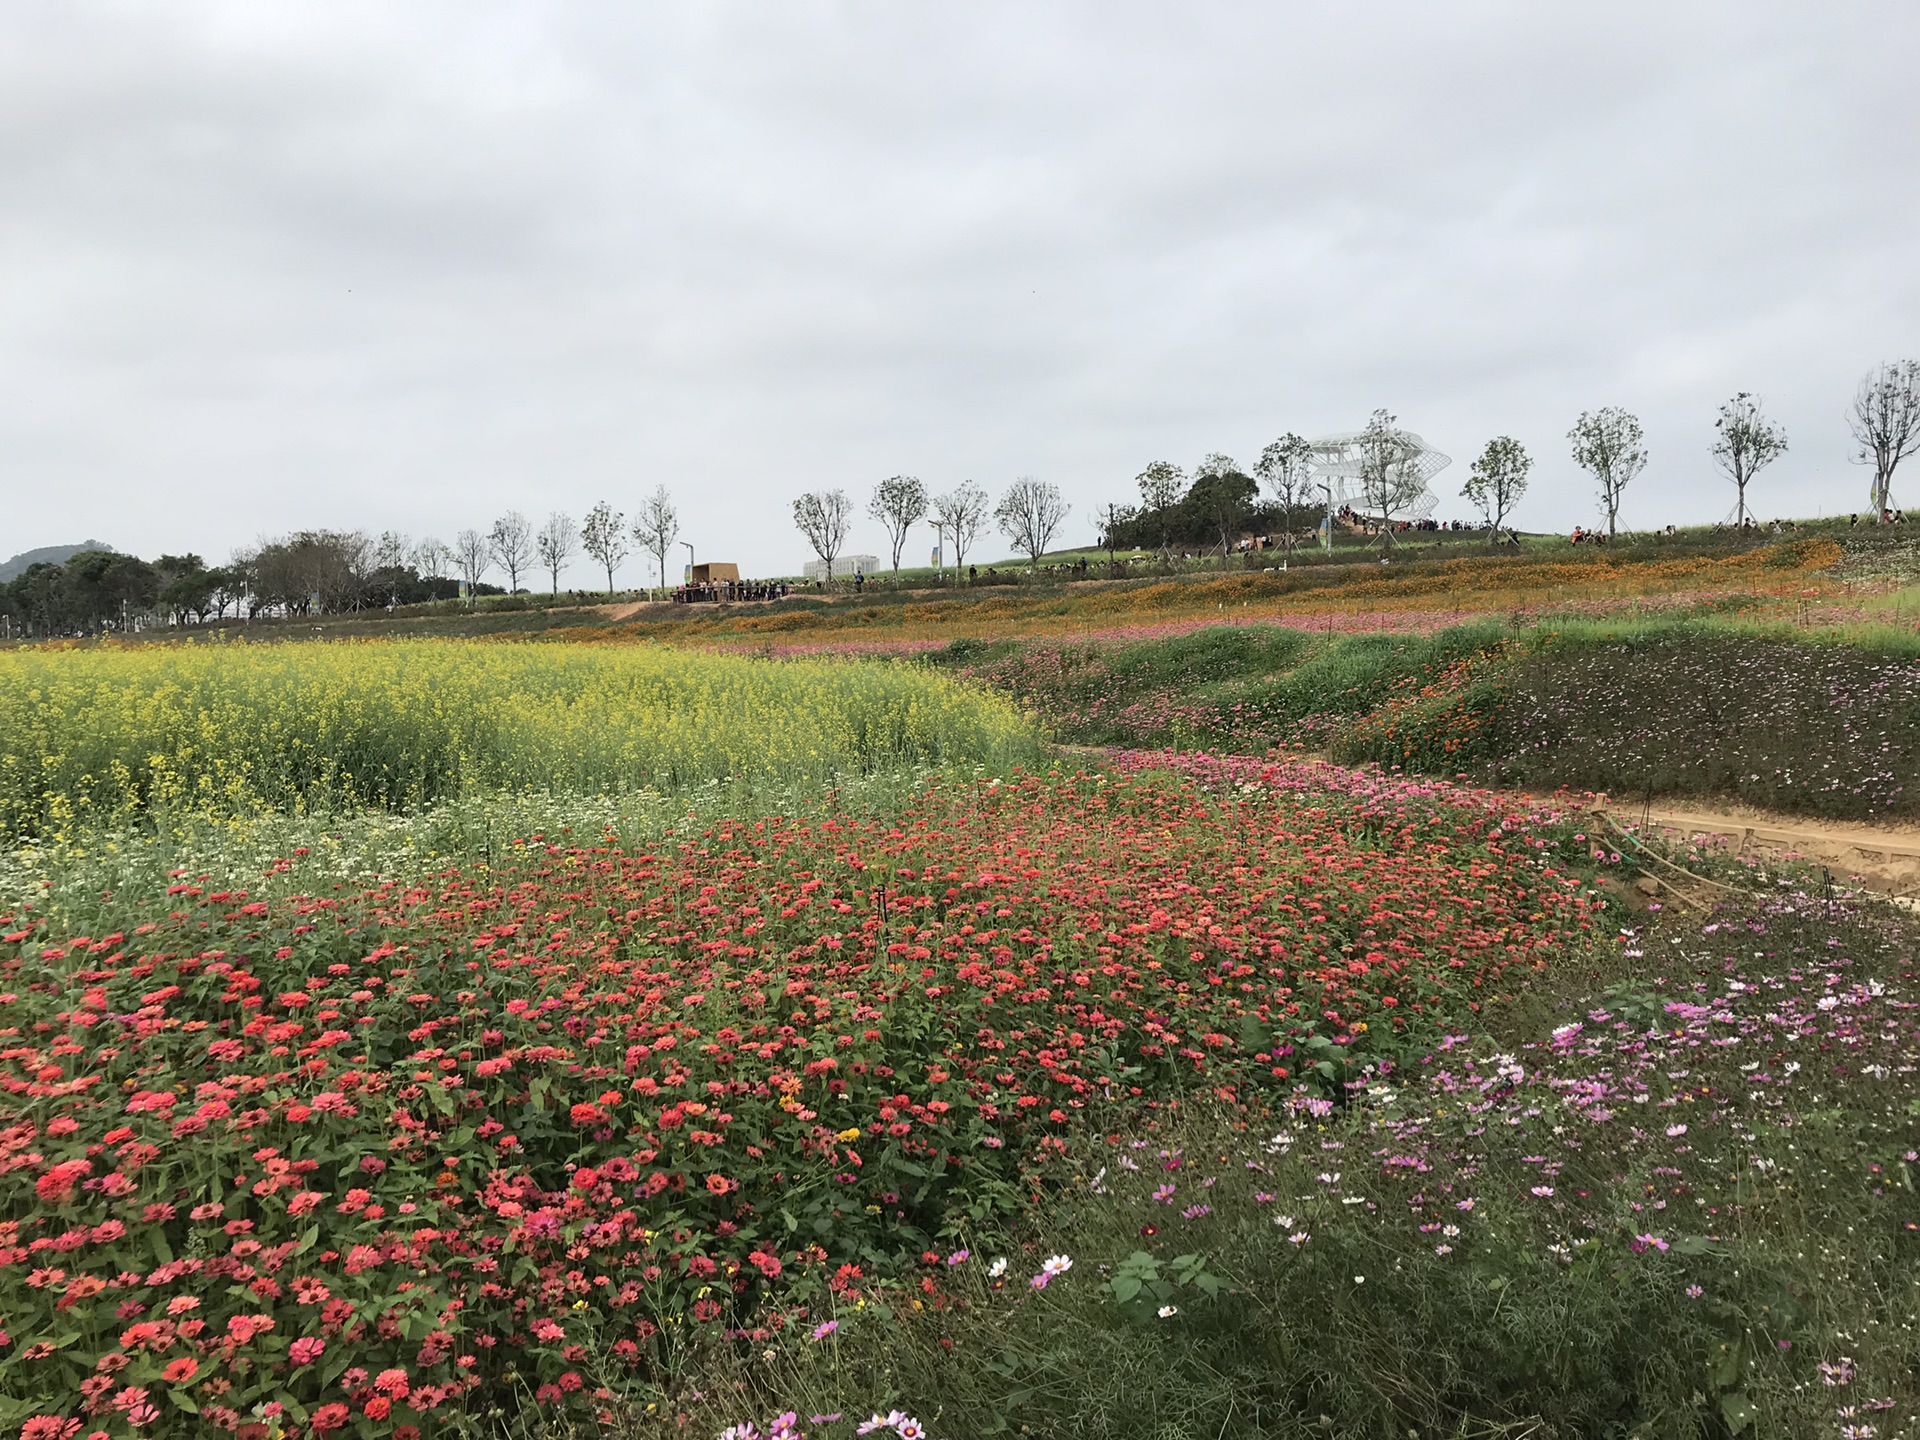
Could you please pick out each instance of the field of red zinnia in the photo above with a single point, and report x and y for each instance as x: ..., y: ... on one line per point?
x: 348, y: 1161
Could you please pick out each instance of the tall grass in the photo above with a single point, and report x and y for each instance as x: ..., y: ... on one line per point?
x: 1651, y: 1201
x: 93, y: 736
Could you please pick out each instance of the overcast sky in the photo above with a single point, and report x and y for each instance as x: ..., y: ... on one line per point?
x: 408, y: 265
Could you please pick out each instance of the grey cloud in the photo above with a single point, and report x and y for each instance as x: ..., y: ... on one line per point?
x: 411, y: 265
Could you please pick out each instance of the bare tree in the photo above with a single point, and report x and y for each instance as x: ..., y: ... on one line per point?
x: 1286, y: 468
x: 510, y: 541
x: 1390, y: 478
x: 1747, y: 443
x: 557, y: 542
x: 1885, y: 421
x: 1497, y: 480
x: 604, y: 537
x: 1608, y: 444
x: 656, y: 527
x: 898, y: 504
x: 960, y: 513
x: 821, y: 516
x: 471, y: 556
x: 1030, y: 514
x: 432, y: 558
x: 1161, y: 486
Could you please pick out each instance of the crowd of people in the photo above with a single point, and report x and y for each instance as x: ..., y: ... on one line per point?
x: 717, y: 592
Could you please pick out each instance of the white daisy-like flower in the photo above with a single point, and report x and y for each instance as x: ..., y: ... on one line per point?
x: 1057, y: 1264
x: 998, y: 1268
x: 1167, y: 1312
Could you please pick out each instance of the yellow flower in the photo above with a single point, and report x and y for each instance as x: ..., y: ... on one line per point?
x: 848, y: 1135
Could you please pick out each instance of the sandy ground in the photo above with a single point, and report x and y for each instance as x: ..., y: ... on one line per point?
x: 1884, y: 858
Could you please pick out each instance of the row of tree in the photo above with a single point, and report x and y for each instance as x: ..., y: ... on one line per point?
x: 1221, y: 501
x: 1029, y: 514
x: 316, y: 571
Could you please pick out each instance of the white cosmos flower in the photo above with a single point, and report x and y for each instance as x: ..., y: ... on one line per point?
x: 1057, y: 1264
x: 998, y: 1268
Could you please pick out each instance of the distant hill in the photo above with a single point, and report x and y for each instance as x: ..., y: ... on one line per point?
x: 45, y: 555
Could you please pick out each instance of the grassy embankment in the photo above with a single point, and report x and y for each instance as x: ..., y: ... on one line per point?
x: 1821, y: 722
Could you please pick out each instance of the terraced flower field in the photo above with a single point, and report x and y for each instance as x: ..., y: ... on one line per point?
x: 534, y: 1120
x: 632, y: 1040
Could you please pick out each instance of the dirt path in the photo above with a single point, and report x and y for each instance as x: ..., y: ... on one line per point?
x: 1885, y: 858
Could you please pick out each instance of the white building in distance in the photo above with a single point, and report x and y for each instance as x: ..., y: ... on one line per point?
x: 844, y: 567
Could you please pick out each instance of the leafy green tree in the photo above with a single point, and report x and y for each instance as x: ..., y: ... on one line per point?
x: 899, y: 503
x: 1609, y: 445
x: 603, y: 536
x: 1285, y: 467
x: 1746, y: 443
x: 1497, y: 480
x: 821, y: 516
x: 1162, y: 487
x: 1221, y: 498
x: 1390, y: 478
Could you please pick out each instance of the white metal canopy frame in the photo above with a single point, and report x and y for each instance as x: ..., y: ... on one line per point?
x: 1338, y: 462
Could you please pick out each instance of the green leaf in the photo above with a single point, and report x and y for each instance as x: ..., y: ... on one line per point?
x: 1125, y: 1287
x: 160, y: 1247
x: 307, y: 1238
x: 1738, y: 1411
x: 183, y: 1401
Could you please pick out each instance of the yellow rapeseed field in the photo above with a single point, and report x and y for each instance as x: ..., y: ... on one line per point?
x: 100, y: 735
